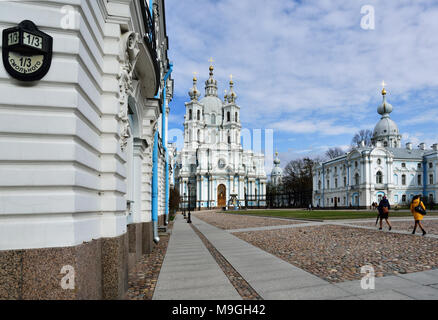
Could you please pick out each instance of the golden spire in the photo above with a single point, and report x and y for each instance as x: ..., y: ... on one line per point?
x: 194, y: 76
x: 231, y: 79
x: 211, y: 63
x: 383, y: 90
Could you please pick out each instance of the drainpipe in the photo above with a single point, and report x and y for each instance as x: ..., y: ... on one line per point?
x: 163, y: 129
x: 155, y: 188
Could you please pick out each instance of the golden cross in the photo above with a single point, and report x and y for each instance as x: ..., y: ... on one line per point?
x: 211, y: 61
x: 231, y: 77
x: 383, y: 84
x: 194, y: 74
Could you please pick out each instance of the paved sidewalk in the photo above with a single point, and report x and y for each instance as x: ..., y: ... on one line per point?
x: 189, y: 272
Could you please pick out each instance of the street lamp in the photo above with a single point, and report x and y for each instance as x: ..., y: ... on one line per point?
x: 189, y: 220
x: 184, y: 205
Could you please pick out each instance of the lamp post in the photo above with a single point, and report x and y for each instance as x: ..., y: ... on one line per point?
x: 189, y: 220
x: 184, y: 205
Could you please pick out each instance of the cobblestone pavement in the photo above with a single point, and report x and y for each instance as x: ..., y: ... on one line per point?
x: 240, y: 284
x: 431, y: 226
x: 143, y: 277
x: 228, y: 221
x: 336, y: 253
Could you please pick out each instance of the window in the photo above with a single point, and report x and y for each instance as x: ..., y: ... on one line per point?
x: 228, y: 116
x: 404, y: 198
x: 319, y: 185
x: 336, y: 170
x: 357, y: 179
x: 328, y: 184
x: 404, y: 179
x: 430, y: 165
x: 419, y: 179
x: 430, y: 178
x: 345, y: 181
x: 199, y: 115
x: 403, y: 165
x: 379, y: 177
x: 355, y: 164
x: 199, y: 136
x: 336, y: 183
x: 235, y: 117
x: 229, y: 137
x: 190, y: 114
x: 213, y: 119
x: 385, y: 144
x: 379, y: 161
x: 419, y: 165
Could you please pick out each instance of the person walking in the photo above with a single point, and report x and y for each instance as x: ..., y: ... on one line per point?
x: 418, y: 210
x: 384, y: 208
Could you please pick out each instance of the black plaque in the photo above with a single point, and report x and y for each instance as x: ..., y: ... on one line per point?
x: 27, y: 51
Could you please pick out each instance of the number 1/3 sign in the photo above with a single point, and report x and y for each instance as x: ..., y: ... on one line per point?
x: 32, y: 40
x: 27, y: 51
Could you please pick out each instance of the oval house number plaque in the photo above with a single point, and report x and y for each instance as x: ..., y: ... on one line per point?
x: 27, y: 52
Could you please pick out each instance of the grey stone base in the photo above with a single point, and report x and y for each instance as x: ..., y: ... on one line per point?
x: 100, y: 271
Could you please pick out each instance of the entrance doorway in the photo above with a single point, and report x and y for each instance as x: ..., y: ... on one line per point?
x: 221, y: 196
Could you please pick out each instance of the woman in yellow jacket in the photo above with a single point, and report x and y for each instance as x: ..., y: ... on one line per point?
x: 416, y: 201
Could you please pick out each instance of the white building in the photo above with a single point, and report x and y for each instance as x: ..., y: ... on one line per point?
x: 212, y: 158
x: 366, y: 174
x: 79, y: 192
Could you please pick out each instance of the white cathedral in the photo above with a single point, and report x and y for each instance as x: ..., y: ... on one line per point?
x: 366, y: 174
x: 212, y: 166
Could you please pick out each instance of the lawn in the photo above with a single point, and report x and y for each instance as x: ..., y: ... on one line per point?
x: 324, y: 214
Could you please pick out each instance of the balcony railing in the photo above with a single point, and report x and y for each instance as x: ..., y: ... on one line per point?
x: 150, y: 38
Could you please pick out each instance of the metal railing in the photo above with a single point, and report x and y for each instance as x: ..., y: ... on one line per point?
x: 150, y: 38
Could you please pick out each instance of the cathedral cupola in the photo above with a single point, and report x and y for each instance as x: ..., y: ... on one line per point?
x: 386, y: 130
x: 211, y: 83
x: 277, y: 172
x: 193, y: 92
x: 231, y: 97
x: 385, y: 108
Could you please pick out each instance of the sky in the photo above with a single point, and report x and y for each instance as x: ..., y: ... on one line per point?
x: 311, y: 70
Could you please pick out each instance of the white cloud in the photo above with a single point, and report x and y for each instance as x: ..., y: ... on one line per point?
x: 307, y: 67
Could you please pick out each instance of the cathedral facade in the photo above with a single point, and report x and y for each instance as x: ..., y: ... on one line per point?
x: 212, y: 168
x: 367, y: 173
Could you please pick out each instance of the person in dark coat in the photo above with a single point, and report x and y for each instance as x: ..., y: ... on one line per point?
x: 384, y: 208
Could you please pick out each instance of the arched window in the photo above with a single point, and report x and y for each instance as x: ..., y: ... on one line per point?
x: 319, y: 185
x: 199, y: 135
x: 236, y: 117
x: 190, y: 114
x: 228, y: 116
x: 199, y: 115
x: 229, y: 136
x: 356, y: 179
x: 404, y: 179
x: 379, y: 177
x: 345, y: 181
x: 213, y: 119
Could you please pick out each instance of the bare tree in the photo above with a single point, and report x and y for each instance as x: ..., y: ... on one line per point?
x: 362, y: 135
x: 334, y: 153
x: 298, y: 181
